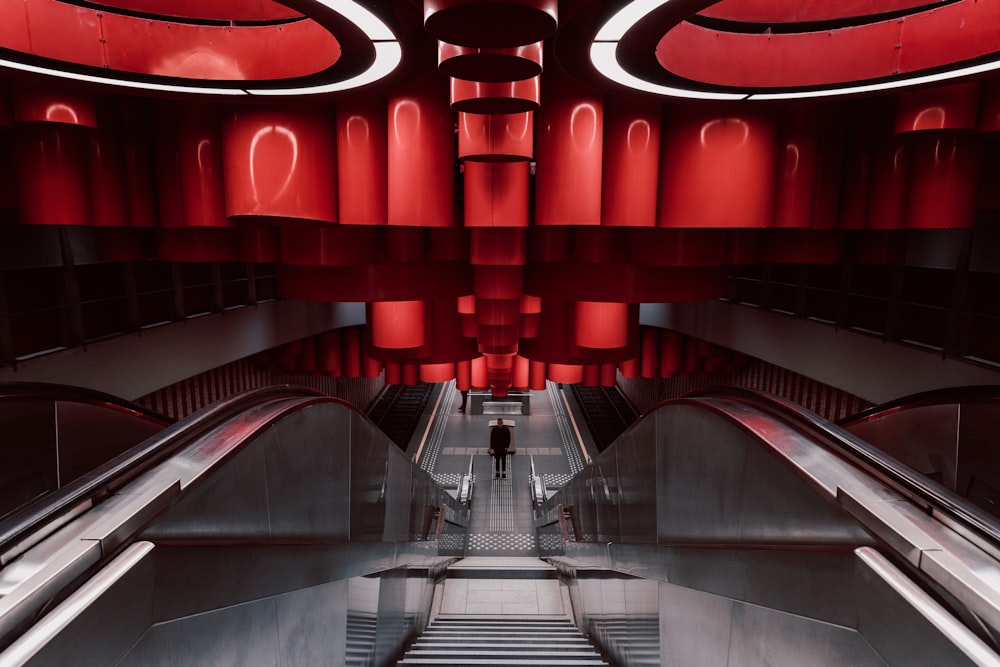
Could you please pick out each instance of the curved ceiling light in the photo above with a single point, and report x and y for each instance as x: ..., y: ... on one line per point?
x: 604, y: 56
x: 386, y: 48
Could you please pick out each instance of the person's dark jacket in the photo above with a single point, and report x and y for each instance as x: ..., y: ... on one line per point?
x: 499, y: 440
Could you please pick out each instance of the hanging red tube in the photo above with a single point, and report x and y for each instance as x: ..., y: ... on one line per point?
x: 569, y: 151
x: 280, y: 164
x: 362, y: 143
x: 421, y: 155
x: 631, y: 163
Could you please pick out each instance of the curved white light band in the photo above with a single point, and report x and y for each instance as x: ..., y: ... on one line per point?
x: 388, y: 55
x: 604, y: 57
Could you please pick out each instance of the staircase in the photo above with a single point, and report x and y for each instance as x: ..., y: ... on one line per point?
x: 461, y: 639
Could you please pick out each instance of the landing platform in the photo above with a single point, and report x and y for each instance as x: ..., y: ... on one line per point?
x: 553, y: 436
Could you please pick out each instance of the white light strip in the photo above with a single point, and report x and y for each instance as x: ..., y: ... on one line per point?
x: 388, y: 55
x: 885, y: 85
x: 604, y: 57
x: 122, y: 83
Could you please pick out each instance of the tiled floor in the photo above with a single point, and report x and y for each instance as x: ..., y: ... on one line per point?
x: 511, y: 585
x: 501, y: 522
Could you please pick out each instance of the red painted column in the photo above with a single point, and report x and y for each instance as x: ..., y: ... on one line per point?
x: 495, y: 137
x: 569, y: 152
x: 798, y: 157
x: 536, y: 375
x: 362, y: 143
x: 280, y: 165
x: 945, y: 157
x: 398, y: 324
x: 189, y: 168
x: 421, y: 155
x: 631, y: 162
x: 496, y: 194
x: 601, y: 325
x: 50, y: 160
x: 717, y: 168
x: 51, y: 153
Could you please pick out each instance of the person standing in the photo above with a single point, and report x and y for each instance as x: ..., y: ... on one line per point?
x: 499, y: 443
x: 465, y: 397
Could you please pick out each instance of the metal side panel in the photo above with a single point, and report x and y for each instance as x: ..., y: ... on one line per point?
x: 97, y: 624
x: 762, y: 636
x: 312, y: 625
x: 244, y: 634
x: 290, y: 482
x: 908, y: 627
x: 197, y: 579
x: 719, y: 483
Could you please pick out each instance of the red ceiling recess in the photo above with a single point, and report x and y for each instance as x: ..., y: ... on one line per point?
x: 804, y: 11
x: 220, y: 10
x: 141, y: 45
x: 635, y: 200
x: 866, y: 41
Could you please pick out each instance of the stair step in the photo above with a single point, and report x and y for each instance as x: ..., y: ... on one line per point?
x: 462, y: 641
x: 573, y: 662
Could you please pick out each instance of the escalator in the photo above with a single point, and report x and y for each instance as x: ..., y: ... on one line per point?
x: 729, y: 527
x: 282, y: 527
x: 49, y: 438
x: 606, y: 412
x: 276, y: 527
x: 398, y: 410
x: 948, y: 435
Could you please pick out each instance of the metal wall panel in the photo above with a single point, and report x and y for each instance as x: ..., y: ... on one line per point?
x: 309, y: 454
x: 695, y: 626
x: 762, y: 636
x: 109, y: 627
x: 312, y: 626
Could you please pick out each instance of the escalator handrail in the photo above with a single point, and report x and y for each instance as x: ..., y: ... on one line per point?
x: 19, y: 391
x: 947, y: 396
x: 877, y: 461
x: 104, y: 478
